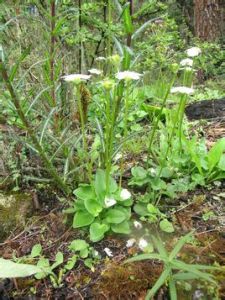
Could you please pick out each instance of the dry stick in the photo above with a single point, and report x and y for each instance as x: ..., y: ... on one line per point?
x: 50, y: 168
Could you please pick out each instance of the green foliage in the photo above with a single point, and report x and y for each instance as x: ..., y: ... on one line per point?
x: 174, y: 270
x: 100, y: 209
x: 10, y: 269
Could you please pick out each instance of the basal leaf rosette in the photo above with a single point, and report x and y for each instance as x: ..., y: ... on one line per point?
x: 102, y: 210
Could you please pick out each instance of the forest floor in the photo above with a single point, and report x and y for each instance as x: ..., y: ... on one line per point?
x: 110, y: 278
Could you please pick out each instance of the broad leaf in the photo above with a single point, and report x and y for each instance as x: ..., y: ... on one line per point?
x: 84, y: 192
x: 82, y: 218
x: 215, y: 153
x: 166, y: 226
x: 115, y: 216
x: 10, y: 269
x: 123, y: 227
x: 97, y: 231
x: 93, y: 207
x: 78, y: 245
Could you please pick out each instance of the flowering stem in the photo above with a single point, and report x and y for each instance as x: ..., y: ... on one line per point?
x: 82, y: 121
x: 187, y: 81
x: 107, y: 141
x: 125, y: 129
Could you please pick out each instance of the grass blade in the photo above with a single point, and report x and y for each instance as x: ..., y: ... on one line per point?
x: 144, y: 257
x: 173, y: 290
x: 161, y: 280
x: 180, y: 245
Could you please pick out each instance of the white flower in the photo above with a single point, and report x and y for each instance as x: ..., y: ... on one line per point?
x: 128, y: 75
x: 95, y: 71
x: 100, y: 58
x: 142, y: 244
x: 182, y: 90
x: 109, y: 202
x: 125, y: 194
x: 187, y: 62
x: 194, y: 51
x: 137, y: 225
x: 77, y: 78
x: 130, y: 243
x: 108, y: 252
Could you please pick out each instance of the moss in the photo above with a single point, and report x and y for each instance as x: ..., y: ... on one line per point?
x: 14, y: 208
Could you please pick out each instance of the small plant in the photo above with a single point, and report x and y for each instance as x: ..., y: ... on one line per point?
x: 174, y: 270
x: 100, y: 209
x: 83, y: 251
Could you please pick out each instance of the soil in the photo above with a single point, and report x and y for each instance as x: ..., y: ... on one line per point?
x: 111, y: 279
x: 201, y: 210
x: 206, y: 109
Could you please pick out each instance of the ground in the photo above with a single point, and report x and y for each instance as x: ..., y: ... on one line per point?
x: 202, y: 210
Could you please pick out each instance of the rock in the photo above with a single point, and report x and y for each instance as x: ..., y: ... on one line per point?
x: 14, y: 209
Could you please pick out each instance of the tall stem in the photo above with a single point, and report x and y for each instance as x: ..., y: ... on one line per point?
x: 80, y: 44
x: 129, y: 40
x: 52, y: 59
x: 82, y: 121
x: 107, y: 141
x: 109, y: 49
x: 125, y: 129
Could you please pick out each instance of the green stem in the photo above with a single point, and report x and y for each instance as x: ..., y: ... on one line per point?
x: 50, y: 168
x: 82, y: 121
x: 125, y: 129
x: 157, y: 119
x: 108, y: 133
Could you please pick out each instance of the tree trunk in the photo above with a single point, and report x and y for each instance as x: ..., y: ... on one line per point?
x: 208, y: 19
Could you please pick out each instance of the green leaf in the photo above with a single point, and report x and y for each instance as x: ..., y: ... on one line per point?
x: 153, y: 209
x: 43, y: 263
x: 82, y: 218
x: 115, y: 216
x: 123, y: 227
x: 78, y: 245
x: 173, y: 290
x: 144, y: 257
x: 100, y: 184
x: 84, y: 192
x: 58, y: 260
x: 160, y: 247
x: 215, y: 153
x: 185, y: 276
x: 179, y: 245
x: 71, y: 263
x: 176, y: 264
x: 10, y: 269
x: 97, y: 231
x: 36, y: 250
x: 166, y: 226
x: 84, y: 253
x: 221, y: 164
x: 127, y: 20
x: 141, y: 209
x: 161, y: 280
x: 93, y: 207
